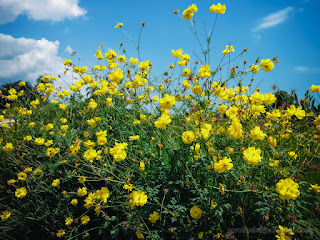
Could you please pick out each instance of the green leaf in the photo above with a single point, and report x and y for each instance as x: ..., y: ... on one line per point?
x: 55, y: 166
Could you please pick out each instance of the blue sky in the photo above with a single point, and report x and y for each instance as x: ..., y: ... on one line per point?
x: 35, y: 35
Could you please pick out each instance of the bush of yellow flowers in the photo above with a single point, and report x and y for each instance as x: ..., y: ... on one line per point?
x: 138, y: 158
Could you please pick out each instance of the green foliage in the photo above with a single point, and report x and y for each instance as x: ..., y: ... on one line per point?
x: 186, y: 174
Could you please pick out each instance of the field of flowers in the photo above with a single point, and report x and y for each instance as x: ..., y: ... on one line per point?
x: 138, y: 157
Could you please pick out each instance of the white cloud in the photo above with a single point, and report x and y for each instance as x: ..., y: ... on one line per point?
x: 273, y: 19
x: 26, y: 59
x: 307, y: 69
x: 51, y: 10
x: 302, y: 69
x: 68, y: 50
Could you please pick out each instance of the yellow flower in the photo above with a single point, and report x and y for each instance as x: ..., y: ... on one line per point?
x: 38, y: 171
x: 213, y: 205
x: 177, y: 53
x: 154, y: 217
x: 82, y: 192
x: 235, y: 130
x: 45, y: 78
x: 60, y: 233
x: 316, y: 188
x: 22, y: 176
x: 144, y: 66
x: 90, y: 155
x: 82, y: 179
x: 287, y: 189
x: 39, y: 141
x: 133, y: 60
x: 200, y: 235
x: 155, y: 99
x: 138, y: 198
x: 195, y: 212
x: 97, y: 209
x: 8, y: 147
x: 188, y: 13
x: 167, y: 101
x: 163, y: 121
x: 118, y: 151
x: 254, y: 69
x: 74, y: 201
x: 89, y: 144
x: 5, y: 126
x: 284, y: 233
x: 62, y: 106
x: 267, y: 65
x: 68, y: 221
x: 101, y: 140
x: 136, y: 122
x: 48, y: 143
x: 67, y: 62
x: 292, y: 154
x: 90, y: 200
x: 21, y: 192
x: 49, y: 126
x: 101, y: 133
x: 121, y: 58
x: 56, y: 182
x: 92, y: 104
x: 11, y: 182
x: 51, y: 152
x: 272, y: 141
x: 103, y: 194
x: 179, y: 97
x: 252, y: 155
x: 273, y: 163
x: 116, y: 75
x: 34, y: 103
x: 139, y: 234
x: 134, y: 137
x: 188, y: 137
x: 109, y: 101
x: 298, y: 112
x: 85, y: 219
x: 118, y: 25
x: 186, y: 72
x: 5, y: 215
x: 218, y: 8
x: 142, y: 166
x: 128, y: 187
x: 204, y: 71
x: 315, y: 88
x: 206, y: 131
x: 28, y: 169
x: 257, y: 134
x: 111, y: 54
x: 223, y: 165
x: 22, y: 84
x: 228, y: 50
x: 184, y: 59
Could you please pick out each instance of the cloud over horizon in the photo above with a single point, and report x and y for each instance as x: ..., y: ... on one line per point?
x: 26, y: 58
x: 273, y: 19
x: 50, y: 10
